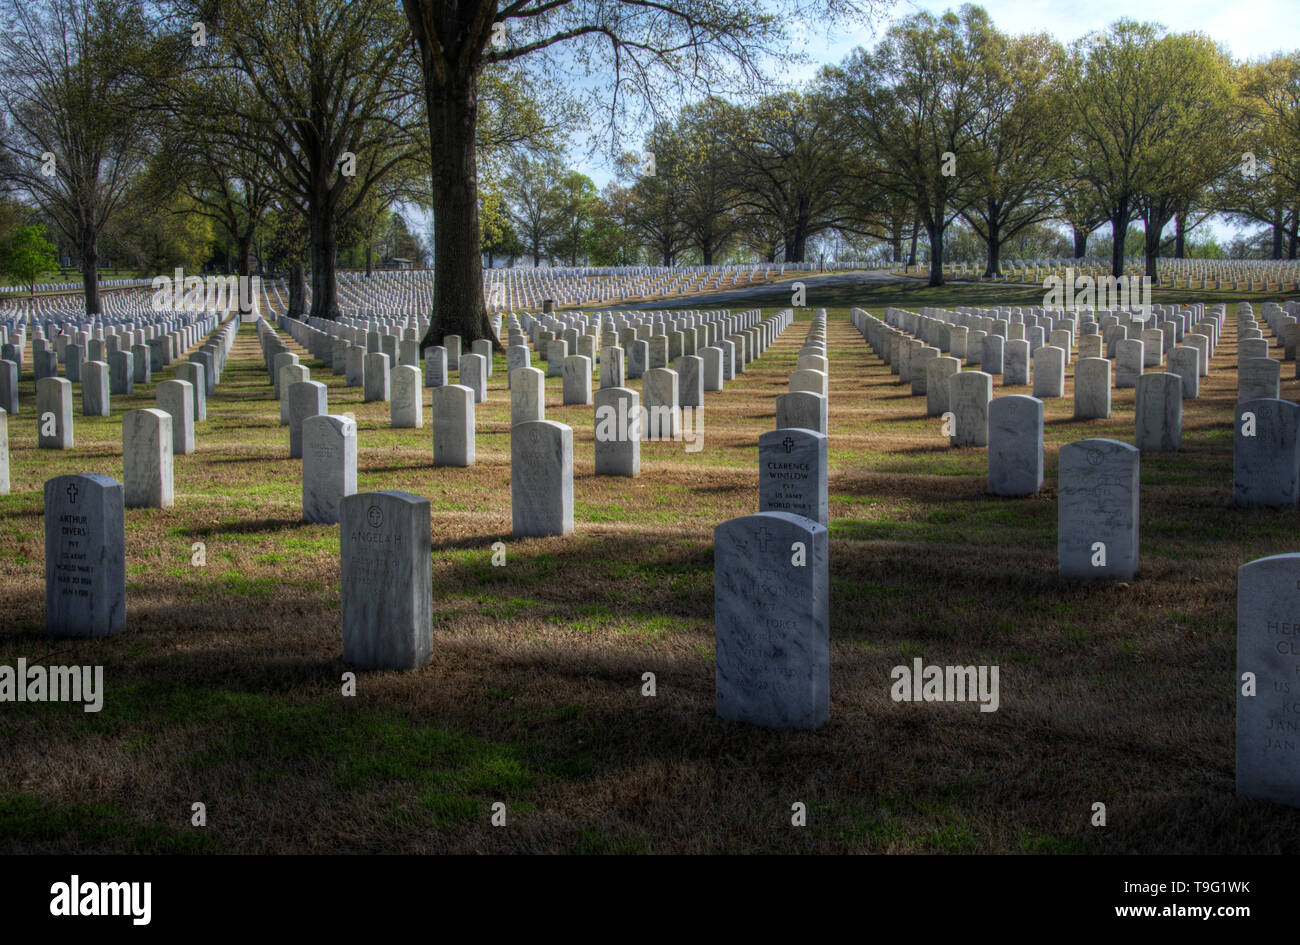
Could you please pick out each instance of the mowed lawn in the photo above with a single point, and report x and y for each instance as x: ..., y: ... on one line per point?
x: 226, y: 687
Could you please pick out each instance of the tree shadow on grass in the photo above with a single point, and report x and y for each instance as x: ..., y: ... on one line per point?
x: 251, y: 527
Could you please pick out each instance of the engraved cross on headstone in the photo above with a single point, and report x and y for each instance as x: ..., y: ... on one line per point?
x: 788, y: 444
x: 72, y: 492
x: 764, y: 536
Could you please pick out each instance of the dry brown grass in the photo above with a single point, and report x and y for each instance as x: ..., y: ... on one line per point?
x: 226, y: 687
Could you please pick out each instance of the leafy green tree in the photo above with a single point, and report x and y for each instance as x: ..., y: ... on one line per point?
x: 27, y: 255
x: 1150, y: 113
x: 1015, y: 152
x: 72, y: 76
x: 324, y: 85
x: 1182, y: 161
x: 918, y: 103
x: 575, y: 204
x: 787, y: 166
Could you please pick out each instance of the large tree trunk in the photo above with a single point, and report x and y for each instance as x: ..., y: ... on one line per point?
x: 1180, y: 236
x: 994, y: 265
x: 1080, y: 241
x: 88, y: 246
x: 297, y: 290
x: 369, y: 260
x: 1118, y: 231
x: 1151, y: 244
x: 1277, y: 234
x: 911, y: 254
x: 458, y: 307
x: 243, y: 246
x: 934, y: 230
x: 324, y: 259
x: 798, y: 246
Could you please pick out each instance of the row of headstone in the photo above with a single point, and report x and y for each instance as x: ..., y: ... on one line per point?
x: 965, y: 399
x: 793, y: 458
x: 928, y: 370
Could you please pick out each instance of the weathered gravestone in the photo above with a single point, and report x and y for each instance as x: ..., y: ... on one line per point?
x: 406, y: 409
x: 435, y: 366
x: 638, y: 358
x: 1092, y: 389
x: 1251, y: 348
x: 1185, y: 361
x: 377, y: 380
x: 969, y: 394
x: 4, y: 452
x: 290, y: 374
x: 937, y: 372
x: 9, y: 386
x: 659, y: 396
x: 453, y: 345
x: 329, y: 466
x: 517, y: 356
x: 1049, y: 371
x: 147, y: 459
x: 792, y: 468
x: 1129, y: 361
x: 816, y: 381
x: 803, y: 409
x: 1015, y: 367
x: 541, y: 479
x: 611, y: 367
x: 690, y: 380
x: 121, y: 373
x: 387, y: 578
x: 306, y: 399
x: 576, y: 382
x: 556, y: 351
x: 54, y: 413
x: 474, y: 375
x: 1097, y: 509
x: 1015, y: 445
x: 177, y: 398
x: 1259, y: 378
x: 772, y: 620
x: 355, y: 368
x: 1266, y: 454
x: 193, y: 372
x: 277, y: 364
x: 1268, y: 648
x: 618, y: 432
x: 993, y: 355
x: 527, y: 395
x: 85, y: 556
x: 920, y: 367
x: 483, y: 348
x: 95, y: 400
x: 453, y: 425
x: 1158, y: 418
